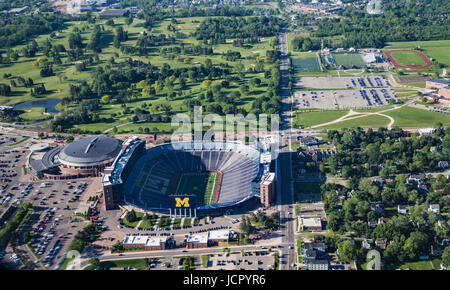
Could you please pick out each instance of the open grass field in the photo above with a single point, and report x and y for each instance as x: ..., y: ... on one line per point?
x: 371, y: 121
x: 307, y: 187
x: 138, y: 264
x: 421, y: 265
x: 35, y: 114
x: 203, y: 185
x: 436, y: 49
x: 348, y: 59
x: 307, y: 119
x: 408, y: 117
x: 305, y: 64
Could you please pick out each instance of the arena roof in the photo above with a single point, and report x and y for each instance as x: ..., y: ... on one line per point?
x: 90, y: 150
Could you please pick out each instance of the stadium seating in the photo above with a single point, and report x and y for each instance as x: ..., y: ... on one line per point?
x: 153, y: 174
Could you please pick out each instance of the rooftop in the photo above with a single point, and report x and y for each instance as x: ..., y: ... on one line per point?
x: 219, y: 235
x: 90, y: 150
x: 199, y: 239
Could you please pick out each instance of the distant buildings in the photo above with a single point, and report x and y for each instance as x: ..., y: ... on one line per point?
x: 17, y: 11
x: 443, y: 90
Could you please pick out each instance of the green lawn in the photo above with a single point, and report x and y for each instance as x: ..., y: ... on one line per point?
x: 408, y: 117
x: 139, y: 216
x: 138, y: 264
x: 187, y: 222
x: 308, y: 119
x: 205, y: 261
x: 35, y: 114
x: 371, y: 121
x: 307, y: 187
x: 419, y: 265
x: 203, y: 185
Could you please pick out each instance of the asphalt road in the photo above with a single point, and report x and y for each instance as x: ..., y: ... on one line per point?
x: 284, y: 160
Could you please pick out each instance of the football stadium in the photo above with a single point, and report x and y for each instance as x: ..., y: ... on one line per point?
x: 188, y: 178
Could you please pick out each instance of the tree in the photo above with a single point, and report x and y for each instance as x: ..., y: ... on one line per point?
x: 416, y: 244
x: 446, y: 257
x: 347, y: 251
x: 95, y: 262
x: 69, y: 139
x: 129, y: 20
x: 105, y: 99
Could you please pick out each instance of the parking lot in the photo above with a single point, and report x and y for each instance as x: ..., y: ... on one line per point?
x: 256, y: 260
x: 343, y: 99
x: 342, y: 82
x: 51, y: 225
x: 331, y: 93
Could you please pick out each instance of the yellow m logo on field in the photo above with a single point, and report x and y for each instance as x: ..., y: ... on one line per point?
x: 182, y: 202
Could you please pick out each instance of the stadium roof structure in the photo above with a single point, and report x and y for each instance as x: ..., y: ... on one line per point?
x: 90, y: 150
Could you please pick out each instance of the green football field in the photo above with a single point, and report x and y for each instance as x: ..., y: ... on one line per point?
x: 348, y: 59
x: 203, y: 185
x: 307, y: 64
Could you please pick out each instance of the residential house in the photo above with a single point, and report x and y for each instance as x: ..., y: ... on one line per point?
x: 402, y: 209
x: 377, y: 208
x: 372, y: 224
x: 309, y: 141
x: 443, y: 164
x: 436, y: 250
x: 366, y: 244
x: 382, y: 220
x: 414, y: 179
x: 381, y: 243
x: 434, y: 208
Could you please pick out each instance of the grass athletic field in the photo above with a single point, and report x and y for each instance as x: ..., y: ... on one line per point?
x: 436, y: 49
x: 308, y: 64
x: 203, y: 185
x: 348, y: 59
x: 411, y: 59
x: 405, y: 58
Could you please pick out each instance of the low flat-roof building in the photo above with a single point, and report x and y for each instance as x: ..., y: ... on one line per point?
x: 219, y: 236
x: 314, y: 224
x: 196, y: 241
x: 146, y: 242
x: 437, y: 83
